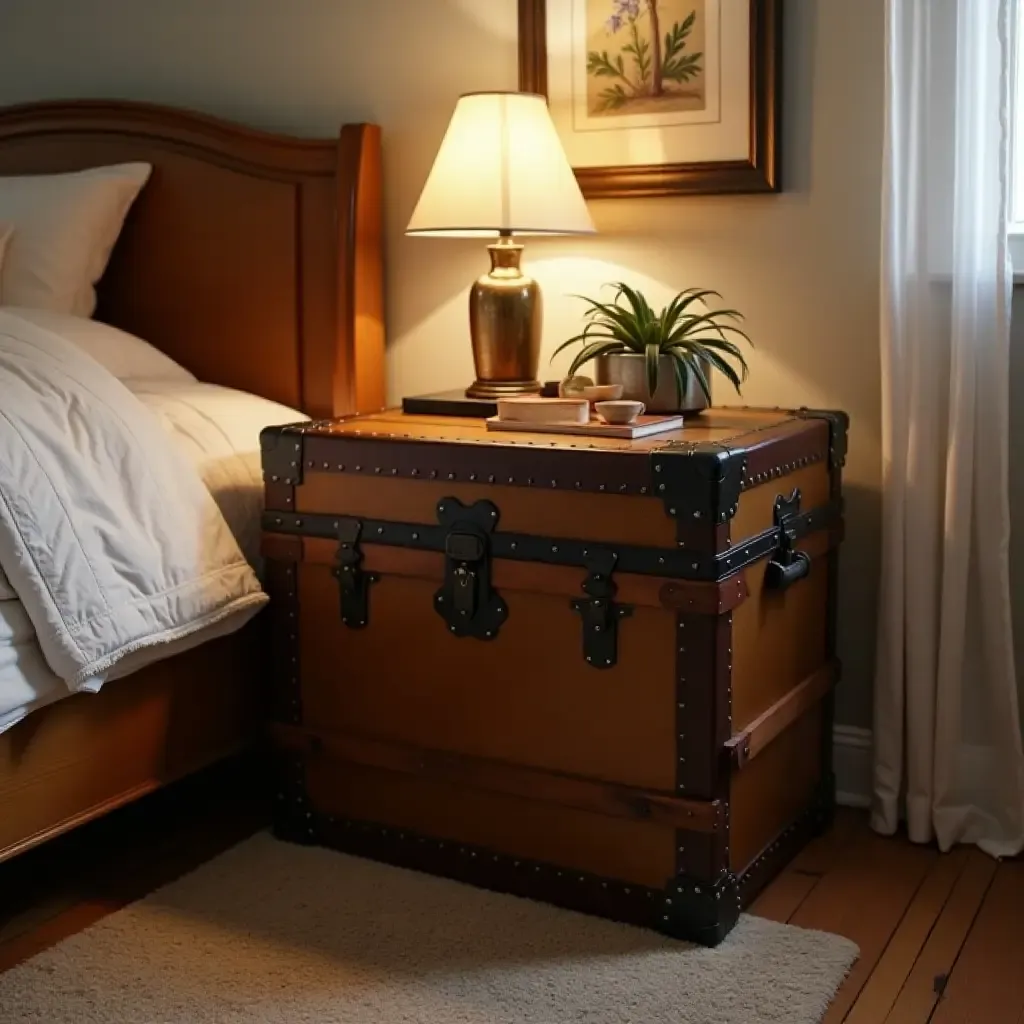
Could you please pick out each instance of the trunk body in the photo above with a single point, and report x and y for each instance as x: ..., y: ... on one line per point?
x: 598, y: 675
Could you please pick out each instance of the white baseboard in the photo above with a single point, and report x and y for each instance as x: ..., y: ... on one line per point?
x: 851, y: 761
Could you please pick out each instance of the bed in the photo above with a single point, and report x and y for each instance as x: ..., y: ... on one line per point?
x: 254, y: 261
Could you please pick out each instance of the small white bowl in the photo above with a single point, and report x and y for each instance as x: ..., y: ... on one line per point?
x: 602, y: 393
x: 620, y: 412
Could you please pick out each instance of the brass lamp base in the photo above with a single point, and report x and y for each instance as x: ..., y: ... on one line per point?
x: 502, y: 388
x: 505, y: 315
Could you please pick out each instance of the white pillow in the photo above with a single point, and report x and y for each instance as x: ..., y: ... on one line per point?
x: 123, y: 355
x: 65, y: 227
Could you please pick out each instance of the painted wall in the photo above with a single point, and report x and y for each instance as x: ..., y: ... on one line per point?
x: 803, y: 266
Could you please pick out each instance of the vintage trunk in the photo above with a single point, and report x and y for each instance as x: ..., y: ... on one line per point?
x: 590, y: 671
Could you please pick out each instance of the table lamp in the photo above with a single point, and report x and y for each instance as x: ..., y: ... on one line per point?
x: 501, y: 171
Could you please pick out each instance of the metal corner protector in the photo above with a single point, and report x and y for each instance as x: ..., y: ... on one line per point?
x: 698, y: 481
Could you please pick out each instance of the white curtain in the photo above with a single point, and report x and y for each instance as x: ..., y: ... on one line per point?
x: 947, y: 729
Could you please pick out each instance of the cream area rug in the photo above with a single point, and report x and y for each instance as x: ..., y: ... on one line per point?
x: 270, y: 933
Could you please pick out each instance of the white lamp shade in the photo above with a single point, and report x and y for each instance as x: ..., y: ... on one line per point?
x: 501, y: 167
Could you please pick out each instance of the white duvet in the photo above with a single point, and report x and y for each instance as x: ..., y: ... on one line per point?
x: 112, y: 549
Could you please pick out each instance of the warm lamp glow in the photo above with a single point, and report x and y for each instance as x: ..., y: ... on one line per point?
x: 501, y: 169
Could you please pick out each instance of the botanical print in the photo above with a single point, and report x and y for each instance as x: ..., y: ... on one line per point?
x: 646, y: 56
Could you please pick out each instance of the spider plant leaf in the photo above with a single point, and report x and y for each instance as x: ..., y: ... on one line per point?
x: 698, y: 345
x: 702, y: 346
x: 731, y: 314
x: 692, y: 295
x: 692, y: 325
x: 628, y: 330
x: 619, y: 320
x: 668, y: 317
x: 682, y: 374
x: 584, y: 337
x: 713, y: 350
x: 653, y: 334
x: 635, y: 300
x: 702, y: 379
x: 653, y: 354
x: 697, y: 350
x: 599, y: 308
x: 599, y: 348
x: 672, y: 312
x: 723, y: 368
x: 640, y: 306
x: 711, y: 318
x: 729, y: 347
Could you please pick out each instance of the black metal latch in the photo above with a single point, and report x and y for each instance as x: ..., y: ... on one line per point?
x: 466, y: 600
x: 599, y: 611
x: 353, y: 582
x: 787, y: 565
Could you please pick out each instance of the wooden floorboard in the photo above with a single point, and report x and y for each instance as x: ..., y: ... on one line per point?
x: 881, y: 990
x: 864, y: 897
x: 941, y: 937
x: 781, y: 900
x: 922, y: 989
x: 987, y: 982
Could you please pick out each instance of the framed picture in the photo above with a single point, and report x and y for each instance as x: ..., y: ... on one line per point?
x: 659, y: 97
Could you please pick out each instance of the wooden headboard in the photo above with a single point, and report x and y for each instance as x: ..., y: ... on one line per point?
x: 252, y: 259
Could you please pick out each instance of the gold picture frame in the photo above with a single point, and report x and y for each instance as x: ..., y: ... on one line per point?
x: 758, y: 170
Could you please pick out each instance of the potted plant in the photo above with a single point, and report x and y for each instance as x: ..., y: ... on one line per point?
x: 661, y: 359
